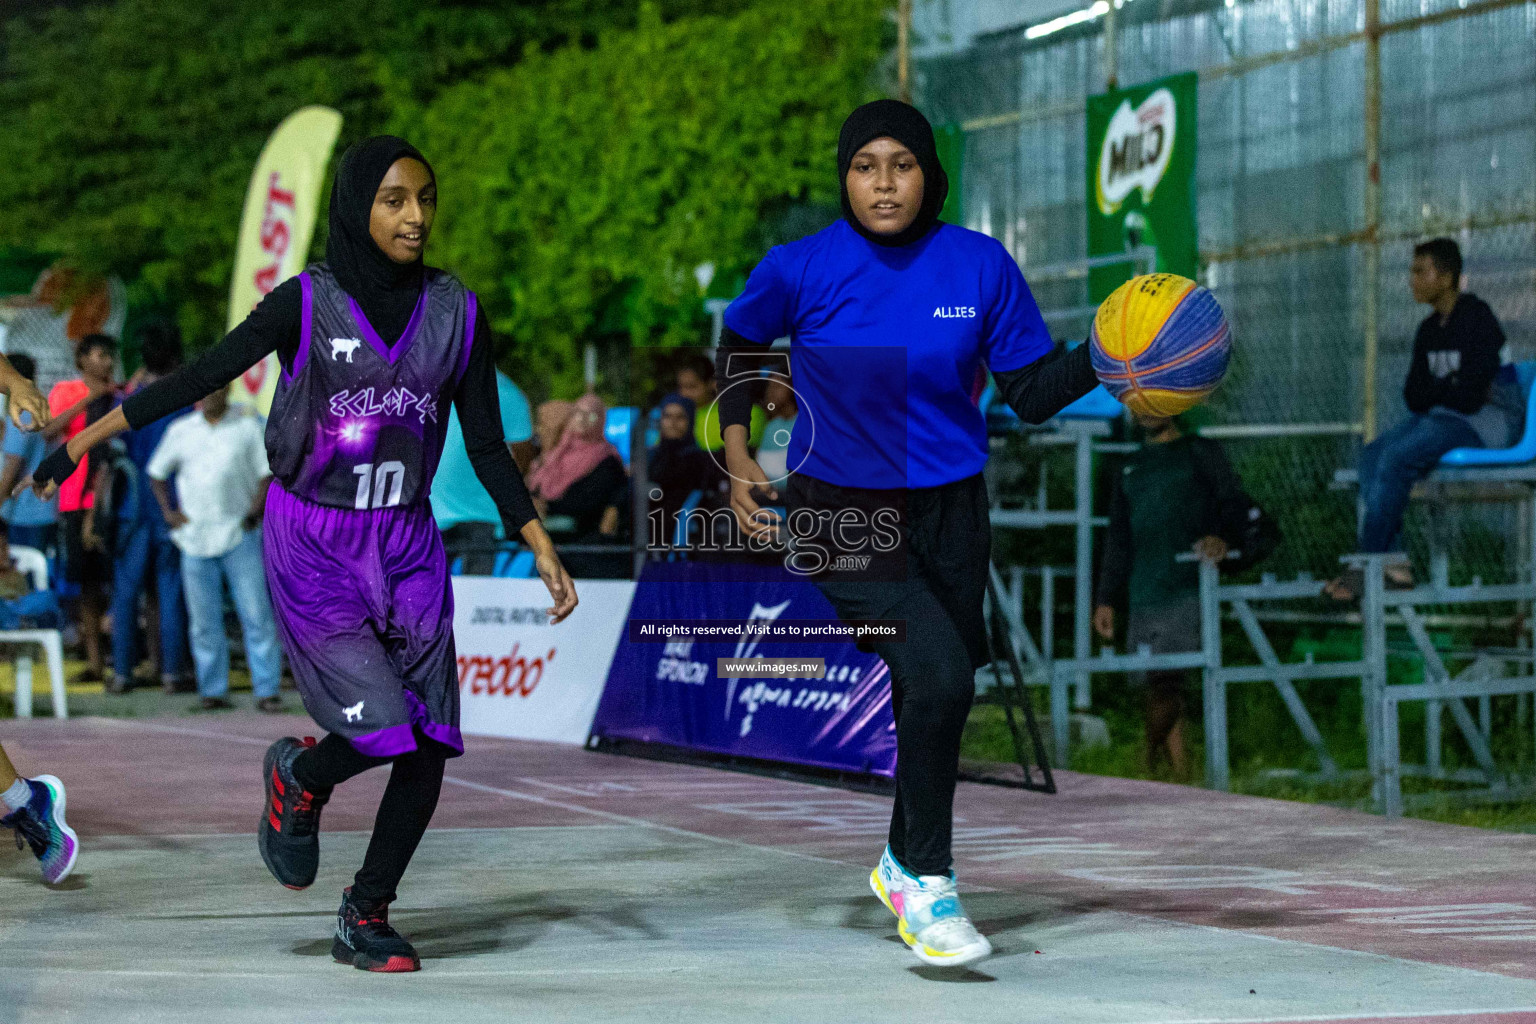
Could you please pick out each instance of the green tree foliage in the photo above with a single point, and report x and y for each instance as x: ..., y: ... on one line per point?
x: 129, y: 128
x: 595, y: 178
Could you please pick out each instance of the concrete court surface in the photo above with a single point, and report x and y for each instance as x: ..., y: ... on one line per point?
x: 560, y: 885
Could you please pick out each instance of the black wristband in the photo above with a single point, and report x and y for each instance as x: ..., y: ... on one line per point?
x: 56, y: 468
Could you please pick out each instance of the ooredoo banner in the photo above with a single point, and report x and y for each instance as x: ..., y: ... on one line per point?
x: 519, y: 676
x: 670, y: 691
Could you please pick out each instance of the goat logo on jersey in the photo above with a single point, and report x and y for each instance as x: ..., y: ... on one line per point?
x: 347, y: 345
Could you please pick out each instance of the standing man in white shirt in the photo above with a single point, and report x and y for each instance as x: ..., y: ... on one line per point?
x: 219, y: 458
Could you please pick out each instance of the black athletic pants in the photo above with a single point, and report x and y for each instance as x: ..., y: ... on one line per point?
x: 409, y: 800
x: 936, y: 580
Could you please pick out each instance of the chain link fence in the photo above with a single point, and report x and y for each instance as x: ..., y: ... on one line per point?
x: 1285, y: 211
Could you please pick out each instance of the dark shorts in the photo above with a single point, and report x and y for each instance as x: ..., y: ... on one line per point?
x: 365, y: 611
x: 82, y: 565
x: 1171, y: 627
x: 942, y: 547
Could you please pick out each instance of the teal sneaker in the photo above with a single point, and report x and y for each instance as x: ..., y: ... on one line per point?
x: 935, y: 926
x: 41, y: 826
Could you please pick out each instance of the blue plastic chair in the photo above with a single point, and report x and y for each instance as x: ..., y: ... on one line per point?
x: 617, y: 427
x: 1523, y: 450
x: 517, y: 565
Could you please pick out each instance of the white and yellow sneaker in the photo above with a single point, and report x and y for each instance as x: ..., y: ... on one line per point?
x: 934, y: 924
x: 887, y: 881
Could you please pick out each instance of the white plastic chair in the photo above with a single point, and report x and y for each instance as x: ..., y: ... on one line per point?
x: 32, y: 562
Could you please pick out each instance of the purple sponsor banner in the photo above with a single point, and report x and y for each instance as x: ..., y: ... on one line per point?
x: 670, y: 692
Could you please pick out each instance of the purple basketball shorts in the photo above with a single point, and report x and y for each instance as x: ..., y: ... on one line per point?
x: 365, y: 612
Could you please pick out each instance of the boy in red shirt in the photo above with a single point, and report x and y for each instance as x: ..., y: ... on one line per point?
x: 73, y: 404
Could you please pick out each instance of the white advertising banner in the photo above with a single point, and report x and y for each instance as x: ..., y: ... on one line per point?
x: 522, y: 678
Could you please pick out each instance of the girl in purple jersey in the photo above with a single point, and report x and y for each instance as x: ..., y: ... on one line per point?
x: 373, y: 346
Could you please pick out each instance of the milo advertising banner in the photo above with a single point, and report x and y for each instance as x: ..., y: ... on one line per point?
x: 1141, y: 182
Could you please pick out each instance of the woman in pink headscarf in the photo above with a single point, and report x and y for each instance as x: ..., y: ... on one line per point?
x: 582, y: 476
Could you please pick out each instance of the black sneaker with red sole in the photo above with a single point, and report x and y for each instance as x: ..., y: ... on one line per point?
x: 365, y: 940
x: 288, y: 834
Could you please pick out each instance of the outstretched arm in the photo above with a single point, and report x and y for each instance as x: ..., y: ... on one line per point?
x: 479, y: 408
x: 273, y: 326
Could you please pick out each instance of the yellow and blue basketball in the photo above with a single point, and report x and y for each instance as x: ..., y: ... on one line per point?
x: 1160, y: 344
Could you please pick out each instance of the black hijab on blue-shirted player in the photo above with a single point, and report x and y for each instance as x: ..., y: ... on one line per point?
x: 387, y: 291
x: 907, y: 125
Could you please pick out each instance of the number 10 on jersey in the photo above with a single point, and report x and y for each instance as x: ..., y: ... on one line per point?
x: 379, y: 486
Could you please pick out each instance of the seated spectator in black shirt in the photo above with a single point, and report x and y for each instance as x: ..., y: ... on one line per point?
x: 677, y: 467
x: 1448, y: 391
x: 582, y: 477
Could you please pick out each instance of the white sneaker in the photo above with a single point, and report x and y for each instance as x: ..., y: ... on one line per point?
x: 887, y: 881
x: 934, y: 924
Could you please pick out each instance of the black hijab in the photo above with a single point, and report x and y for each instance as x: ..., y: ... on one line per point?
x: 906, y: 124
x: 387, y: 291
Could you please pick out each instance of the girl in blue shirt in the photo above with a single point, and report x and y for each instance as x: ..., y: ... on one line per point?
x: 890, y: 313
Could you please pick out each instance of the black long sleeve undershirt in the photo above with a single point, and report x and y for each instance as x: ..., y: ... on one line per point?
x: 734, y: 406
x: 273, y: 326
x: 1046, y: 386
x: 1036, y: 392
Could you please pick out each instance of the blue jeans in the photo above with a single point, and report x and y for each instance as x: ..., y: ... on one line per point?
x: 139, y: 545
x: 1394, y: 462
x: 203, y: 580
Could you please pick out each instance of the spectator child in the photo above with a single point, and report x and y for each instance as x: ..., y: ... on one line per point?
x: 1177, y: 494
x: 696, y: 382
x: 74, y: 404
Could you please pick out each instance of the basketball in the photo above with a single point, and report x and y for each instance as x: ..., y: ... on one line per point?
x: 1160, y: 344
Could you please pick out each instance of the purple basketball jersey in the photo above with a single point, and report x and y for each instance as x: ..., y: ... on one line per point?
x: 360, y: 424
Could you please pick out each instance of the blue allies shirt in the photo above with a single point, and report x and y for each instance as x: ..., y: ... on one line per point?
x: 458, y: 496
x: 886, y: 345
